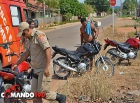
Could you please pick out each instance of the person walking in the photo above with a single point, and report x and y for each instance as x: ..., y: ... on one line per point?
x: 39, y: 49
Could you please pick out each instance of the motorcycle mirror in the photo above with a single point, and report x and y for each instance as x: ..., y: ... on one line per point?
x: 135, y: 27
x: 97, y: 23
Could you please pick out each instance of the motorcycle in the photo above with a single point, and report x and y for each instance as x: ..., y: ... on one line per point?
x: 123, y: 51
x: 79, y: 61
x: 19, y: 77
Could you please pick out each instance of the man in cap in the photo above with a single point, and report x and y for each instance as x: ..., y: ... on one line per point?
x: 38, y: 48
x: 31, y: 26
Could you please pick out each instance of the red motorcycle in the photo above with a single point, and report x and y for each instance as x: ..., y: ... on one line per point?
x: 9, y: 78
x: 123, y: 51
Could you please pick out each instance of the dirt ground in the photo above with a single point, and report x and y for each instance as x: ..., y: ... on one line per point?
x: 126, y: 78
x: 125, y: 87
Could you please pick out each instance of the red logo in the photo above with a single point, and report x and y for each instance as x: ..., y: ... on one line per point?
x: 14, y: 88
x: 112, y: 2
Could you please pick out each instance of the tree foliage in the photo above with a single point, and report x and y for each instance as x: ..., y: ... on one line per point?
x: 50, y: 3
x: 75, y: 8
x: 128, y: 6
x: 88, y: 8
x: 99, y: 5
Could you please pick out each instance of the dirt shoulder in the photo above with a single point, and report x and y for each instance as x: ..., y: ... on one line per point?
x: 126, y: 77
x: 48, y: 29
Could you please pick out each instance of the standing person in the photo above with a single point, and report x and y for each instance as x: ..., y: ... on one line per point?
x: 31, y: 23
x: 88, y: 37
x: 39, y: 49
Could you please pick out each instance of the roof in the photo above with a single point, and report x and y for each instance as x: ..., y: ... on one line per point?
x: 33, y: 5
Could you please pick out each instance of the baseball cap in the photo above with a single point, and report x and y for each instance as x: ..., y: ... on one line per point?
x: 22, y: 26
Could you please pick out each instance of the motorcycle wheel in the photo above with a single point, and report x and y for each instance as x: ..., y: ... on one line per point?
x: 106, y: 69
x: 3, y: 88
x: 59, y: 71
x: 114, y: 59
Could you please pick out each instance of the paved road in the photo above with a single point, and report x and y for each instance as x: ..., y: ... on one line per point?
x: 107, y: 21
x: 69, y: 37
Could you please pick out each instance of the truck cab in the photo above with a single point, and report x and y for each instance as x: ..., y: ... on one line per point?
x: 12, y: 13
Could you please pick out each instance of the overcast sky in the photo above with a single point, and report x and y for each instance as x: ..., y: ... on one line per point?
x: 117, y: 2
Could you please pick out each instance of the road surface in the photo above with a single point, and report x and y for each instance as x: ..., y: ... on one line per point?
x: 69, y: 37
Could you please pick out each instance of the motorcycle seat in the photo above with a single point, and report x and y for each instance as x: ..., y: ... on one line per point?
x: 64, y: 51
x: 9, y: 70
x: 119, y: 43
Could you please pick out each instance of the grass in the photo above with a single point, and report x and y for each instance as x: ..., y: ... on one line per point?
x: 124, y: 16
x: 88, y: 87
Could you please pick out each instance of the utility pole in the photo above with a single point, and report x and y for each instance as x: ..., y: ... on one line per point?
x: 121, y: 7
x: 44, y: 8
x: 131, y: 8
x: 136, y: 10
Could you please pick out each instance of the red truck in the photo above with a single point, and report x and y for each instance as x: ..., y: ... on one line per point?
x: 12, y: 13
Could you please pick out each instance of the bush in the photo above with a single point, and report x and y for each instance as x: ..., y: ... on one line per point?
x: 68, y: 16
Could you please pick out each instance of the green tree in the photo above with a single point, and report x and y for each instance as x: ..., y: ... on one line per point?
x: 74, y: 7
x: 88, y: 8
x: 129, y: 6
x: 53, y: 4
x: 99, y: 5
x: 68, y: 16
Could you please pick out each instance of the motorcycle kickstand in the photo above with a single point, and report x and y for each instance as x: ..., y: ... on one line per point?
x: 129, y: 63
x: 119, y: 61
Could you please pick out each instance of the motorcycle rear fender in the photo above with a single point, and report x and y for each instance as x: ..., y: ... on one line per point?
x: 99, y: 59
x: 109, y: 42
x: 58, y: 50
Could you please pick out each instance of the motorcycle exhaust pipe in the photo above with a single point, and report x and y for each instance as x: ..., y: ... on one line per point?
x: 64, y: 65
x: 118, y: 55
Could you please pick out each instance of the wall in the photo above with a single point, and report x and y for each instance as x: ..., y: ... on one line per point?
x: 43, y: 21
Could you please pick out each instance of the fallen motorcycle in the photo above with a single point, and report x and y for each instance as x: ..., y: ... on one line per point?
x: 123, y: 51
x: 19, y: 77
x: 79, y: 60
